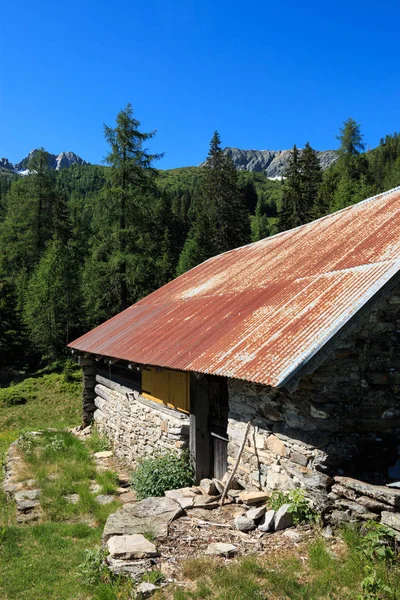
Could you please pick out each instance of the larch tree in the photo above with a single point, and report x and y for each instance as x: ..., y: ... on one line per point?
x: 120, y: 268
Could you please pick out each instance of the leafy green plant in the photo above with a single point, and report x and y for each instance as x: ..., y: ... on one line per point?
x: 300, y: 506
x: 93, y: 569
x: 156, y: 475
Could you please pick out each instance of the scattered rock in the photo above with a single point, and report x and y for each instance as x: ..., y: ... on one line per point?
x: 267, y: 522
x: 208, y: 487
x: 28, y: 517
x: 151, y: 515
x: 233, y: 494
x: 253, y: 497
x: 26, y: 500
x: 283, y: 518
x: 133, y: 569
x: 104, y: 454
x: 219, y: 485
x: 292, y: 535
x: 145, y: 589
x: 256, y: 513
x: 128, y: 497
x: 128, y: 547
x: 221, y: 549
x: 72, y: 498
x: 327, y: 532
x: 94, y: 488
x: 104, y: 499
x: 391, y: 520
x: 243, y: 523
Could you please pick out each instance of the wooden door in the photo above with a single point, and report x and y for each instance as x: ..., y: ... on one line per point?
x: 218, y: 425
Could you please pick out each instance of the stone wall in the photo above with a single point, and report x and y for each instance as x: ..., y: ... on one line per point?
x: 138, y: 427
x: 343, y: 418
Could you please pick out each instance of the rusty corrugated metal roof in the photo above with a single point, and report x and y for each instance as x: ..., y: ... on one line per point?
x: 260, y: 311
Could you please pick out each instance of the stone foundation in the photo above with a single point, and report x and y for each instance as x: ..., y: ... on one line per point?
x: 137, y: 427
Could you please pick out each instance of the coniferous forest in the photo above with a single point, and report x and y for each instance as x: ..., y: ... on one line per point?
x: 79, y: 245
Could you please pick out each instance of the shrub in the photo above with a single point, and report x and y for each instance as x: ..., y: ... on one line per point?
x: 69, y: 371
x: 300, y: 507
x: 156, y: 475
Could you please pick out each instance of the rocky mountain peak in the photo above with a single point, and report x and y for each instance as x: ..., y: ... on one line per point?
x: 271, y: 162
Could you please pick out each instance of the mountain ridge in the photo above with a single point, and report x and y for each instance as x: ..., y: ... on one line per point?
x: 272, y: 162
x: 55, y: 161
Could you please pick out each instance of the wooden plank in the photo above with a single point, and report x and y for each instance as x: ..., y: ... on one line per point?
x: 122, y: 389
x: 199, y: 438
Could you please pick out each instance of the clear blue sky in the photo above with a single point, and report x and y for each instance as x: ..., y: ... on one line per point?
x: 265, y: 74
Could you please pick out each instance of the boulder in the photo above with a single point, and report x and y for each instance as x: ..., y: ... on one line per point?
x: 283, y: 518
x: 243, y: 523
x: 221, y: 549
x: 267, y: 522
x: 151, y: 515
x: 129, y: 547
x: 208, y: 487
x: 256, y: 513
x: 253, y: 497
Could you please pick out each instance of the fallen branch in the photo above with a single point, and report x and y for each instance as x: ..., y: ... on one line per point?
x: 235, y: 466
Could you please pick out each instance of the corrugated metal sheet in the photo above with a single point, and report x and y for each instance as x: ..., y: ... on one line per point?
x: 260, y: 311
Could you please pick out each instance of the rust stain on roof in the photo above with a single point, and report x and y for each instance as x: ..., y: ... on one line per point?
x: 260, y: 311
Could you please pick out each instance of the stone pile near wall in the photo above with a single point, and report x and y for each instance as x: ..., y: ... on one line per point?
x: 356, y: 500
x: 137, y: 427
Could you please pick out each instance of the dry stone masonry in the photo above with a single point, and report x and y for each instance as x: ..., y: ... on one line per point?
x: 342, y: 419
x: 137, y: 427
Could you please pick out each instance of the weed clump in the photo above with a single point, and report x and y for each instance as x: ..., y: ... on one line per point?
x: 154, y: 476
x: 300, y: 506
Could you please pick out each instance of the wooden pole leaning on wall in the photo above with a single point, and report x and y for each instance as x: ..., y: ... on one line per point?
x: 235, y: 466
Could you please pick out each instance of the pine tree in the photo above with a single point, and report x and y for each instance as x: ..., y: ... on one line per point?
x: 291, y: 213
x: 121, y: 265
x: 221, y: 218
x: 311, y: 178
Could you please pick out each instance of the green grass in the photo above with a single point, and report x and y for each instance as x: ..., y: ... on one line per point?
x: 51, y: 402
x: 41, y: 561
x: 320, y: 575
x: 62, y: 465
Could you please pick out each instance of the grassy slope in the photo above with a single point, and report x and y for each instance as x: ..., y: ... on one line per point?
x: 41, y: 561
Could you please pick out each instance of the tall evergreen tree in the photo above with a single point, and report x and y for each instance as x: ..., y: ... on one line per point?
x: 291, y: 212
x: 311, y: 178
x: 120, y: 268
x: 221, y: 217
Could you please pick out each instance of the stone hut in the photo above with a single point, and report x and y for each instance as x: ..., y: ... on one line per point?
x: 298, y: 334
